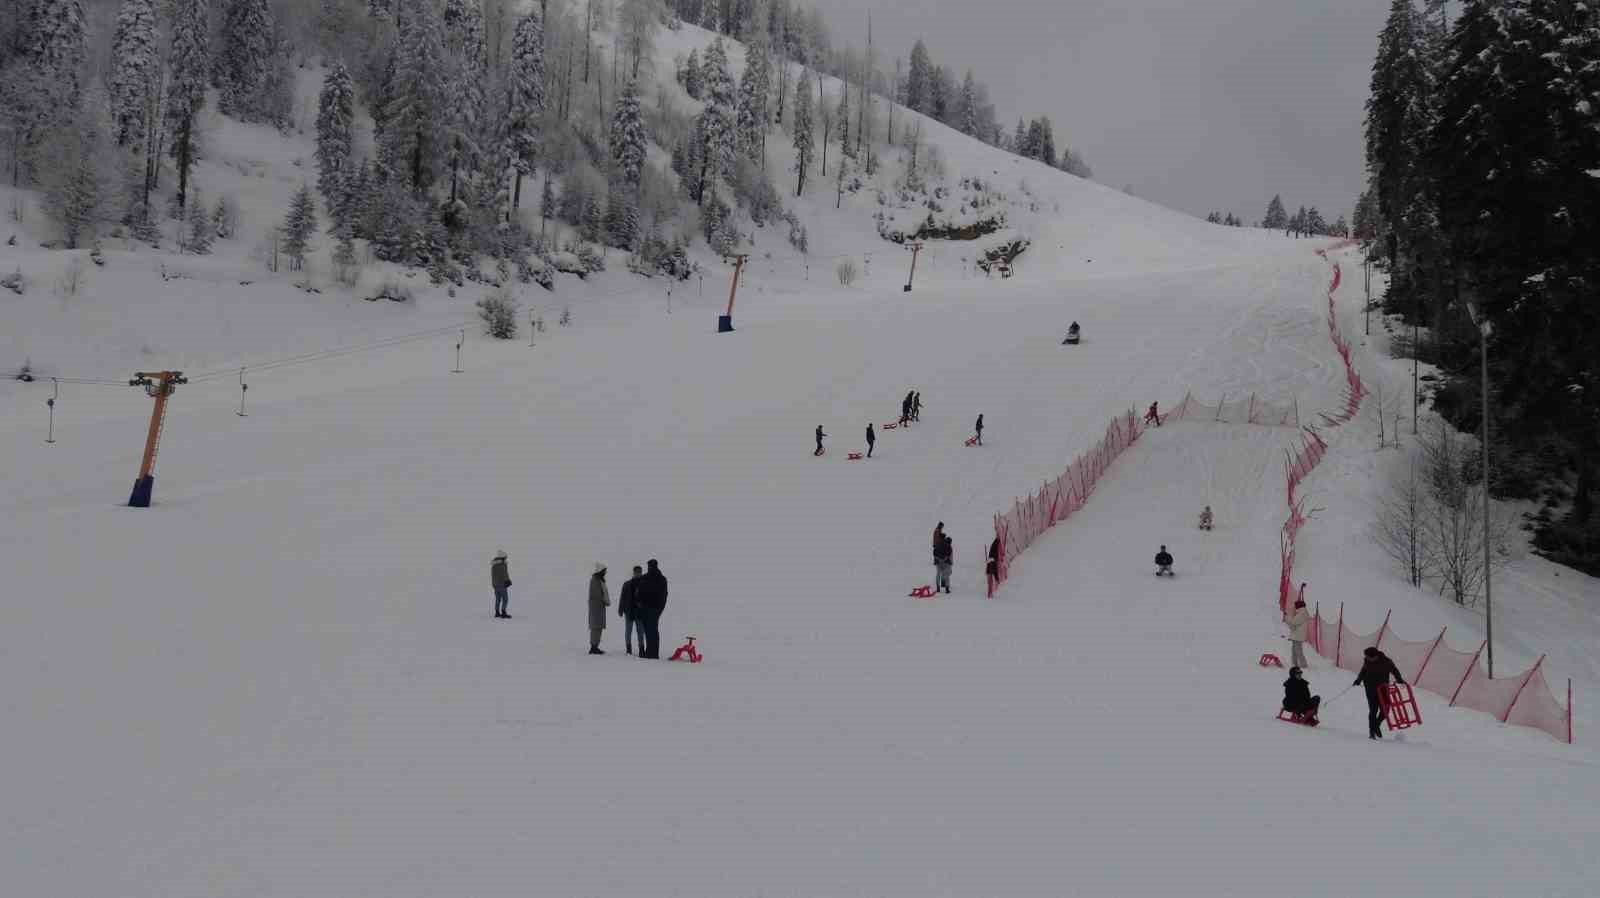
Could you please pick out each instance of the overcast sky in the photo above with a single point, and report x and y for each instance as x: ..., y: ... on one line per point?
x: 1198, y: 104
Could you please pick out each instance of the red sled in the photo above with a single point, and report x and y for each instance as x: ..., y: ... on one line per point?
x: 972, y: 441
x: 887, y: 426
x: 1305, y: 720
x: 922, y: 592
x: 687, y: 652
x: 1270, y: 660
x: 854, y: 456
x: 1399, y: 705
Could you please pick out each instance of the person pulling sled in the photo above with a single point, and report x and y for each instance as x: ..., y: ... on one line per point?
x: 1298, y: 700
x: 1072, y: 335
x: 872, y: 439
x: 979, y: 437
x: 1376, y: 669
x: 1164, y: 562
x: 820, y: 435
x: 1153, y: 416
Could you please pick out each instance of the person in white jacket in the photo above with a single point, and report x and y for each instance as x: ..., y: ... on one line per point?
x: 1299, y: 619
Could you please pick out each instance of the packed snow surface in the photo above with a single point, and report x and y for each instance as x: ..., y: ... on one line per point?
x: 284, y: 678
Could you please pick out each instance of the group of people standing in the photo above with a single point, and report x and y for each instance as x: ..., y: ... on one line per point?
x: 643, y: 599
x: 911, y: 408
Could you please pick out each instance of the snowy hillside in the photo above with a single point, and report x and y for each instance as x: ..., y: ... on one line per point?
x: 284, y: 677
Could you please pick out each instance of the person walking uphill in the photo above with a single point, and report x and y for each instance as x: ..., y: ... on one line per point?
x: 1299, y: 619
x: 980, y: 430
x: 872, y: 439
x: 628, y: 611
x: 500, y: 579
x: 599, y: 601
x: 944, y: 557
x: 1376, y: 669
x: 650, y: 598
x: 820, y: 435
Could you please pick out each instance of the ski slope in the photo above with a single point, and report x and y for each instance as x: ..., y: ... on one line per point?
x: 284, y: 677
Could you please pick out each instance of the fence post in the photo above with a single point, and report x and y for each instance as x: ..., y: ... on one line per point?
x: 1317, y: 642
x: 1428, y: 657
x: 1250, y: 416
x: 1525, y: 681
x: 1470, y: 668
x: 1379, y: 643
x: 1569, y: 710
x: 1338, y: 641
x: 1221, y: 403
x: 1297, y: 411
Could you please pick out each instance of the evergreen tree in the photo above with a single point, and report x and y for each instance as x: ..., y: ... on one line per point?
x: 717, y: 123
x: 627, y: 136
x: 245, y: 58
x: 80, y: 170
x: 526, y: 99
x: 1277, y: 218
x: 1396, y: 120
x: 1019, y: 140
x: 335, y: 115
x: 298, y: 226
x: 200, y: 232
x: 410, y: 144
x: 693, y: 84
x: 133, y: 66
x: 917, y: 75
x: 186, y: 91
x: 967, y: 119
x: 941, y: 94
x: 804, y: 151
x: 1300, y: 222
x: 547, y: 204
x: 1314, y: 224
x: 842, y: 116
x: 57, y: 47
x: 466, y: 52
x: 754, y: 87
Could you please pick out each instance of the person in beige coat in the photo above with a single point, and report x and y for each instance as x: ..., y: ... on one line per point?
x: 1299, y: 619
x: 599, y: 601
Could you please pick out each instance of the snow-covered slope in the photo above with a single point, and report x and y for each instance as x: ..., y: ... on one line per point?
x: 284, y: 678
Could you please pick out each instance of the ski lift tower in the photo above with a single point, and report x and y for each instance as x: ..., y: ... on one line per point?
x: 158, y: 385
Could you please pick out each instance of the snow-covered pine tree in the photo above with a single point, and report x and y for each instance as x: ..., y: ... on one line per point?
x: 1399, y: 86
x: 1314, y: 223
x: 1276, y: 218
x: 336, y: 108
x: 693, y: 84
x: 967, y: 119
x: 345, y: 263
x: 133, y: 66
x: 593, y: 224
x: 917, y: 76
x: 842, y: 116
x: 198, y: 232
x: 627, y: 136
x: 357, y: 193
x: 298, y: 226
x: 1019, y: 140
x: 717, y: 122
x: 466, y: 51
x: 547, y: 204
x: 526, y: 100
x: 225, y: 217
x: 246, y: 53
x: 80, y: 170
x: 186, y: 91
x: 804, y: 150
x: 411, y: 145
x: 755, y: 85
x: 58, y: 49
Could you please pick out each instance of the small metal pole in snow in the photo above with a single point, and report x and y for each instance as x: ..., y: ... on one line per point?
x: 243, y: 388
x: 532, y: 328
x: 50, y: 435
x: 457, y: 368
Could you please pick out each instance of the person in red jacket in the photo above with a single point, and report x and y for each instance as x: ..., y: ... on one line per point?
x: 1152, y: 415
x: 1376, y: 669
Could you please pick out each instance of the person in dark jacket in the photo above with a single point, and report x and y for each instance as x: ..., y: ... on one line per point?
x: 905, y: 410
x: 980, y: 430
x: 500, y: 579
x: 820, y: 435
x: 991, y: 568
x: 944, y: 557
x: 1376, y: 669
x: 628, y: 612
x: 1297, y: 697
x: 650, y: 598
x: 1163, y: 562
x: 872, y: 439
x: 1152, y: 415
x: 916, y: 406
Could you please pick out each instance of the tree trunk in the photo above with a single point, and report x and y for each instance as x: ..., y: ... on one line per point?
x: 516, y: 193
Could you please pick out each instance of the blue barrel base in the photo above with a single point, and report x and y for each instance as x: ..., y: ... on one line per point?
x: 143, y: 488
x: 724, y: 324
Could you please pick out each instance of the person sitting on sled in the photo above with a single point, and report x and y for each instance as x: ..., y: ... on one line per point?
x: 1163, y: 562
x: 1205, y: 518
x: 1072, y: 333
x: 1297, y: 697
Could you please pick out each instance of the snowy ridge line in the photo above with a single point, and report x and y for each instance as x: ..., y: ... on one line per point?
x: 1438, y: 668
x: 1450, y: 673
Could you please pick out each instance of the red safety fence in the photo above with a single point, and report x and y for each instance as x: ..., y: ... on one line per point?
x: 1239, y: 410
x: 1525, y: 699
x: 1059, y: 499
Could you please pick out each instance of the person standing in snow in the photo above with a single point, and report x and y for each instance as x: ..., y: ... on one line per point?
x: 500, y: 579
x: 991, y: 568
x: 628, y: 610
x: 905, y: 410
x: 1205, y: 518
x: 1152, y: 415
x: 980, y: 430
x: 599, y: 601
x: 650, y: 596
x: 1297, y: 697
x: 820, y: 435
x: 916, y: 406
x: 1163, y: 562
x: 938, y: 535
x: 1299, y: 619
x: 944, y: 556
x: 1376, y: 669
x: 872, y: 439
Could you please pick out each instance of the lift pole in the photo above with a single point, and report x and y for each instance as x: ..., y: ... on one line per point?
x: 915, y: 249
x: 159, y: 385
x: 725, y: 322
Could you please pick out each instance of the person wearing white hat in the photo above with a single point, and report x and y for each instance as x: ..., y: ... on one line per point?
x: 500, y: 579
x: 599, y: 601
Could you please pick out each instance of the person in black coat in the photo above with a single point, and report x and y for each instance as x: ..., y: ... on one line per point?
x: 1163, y: 562
x: 820, y: 435
x: 629, y: 612
x: 991, y: 568
x: 916, y: 406
x: 980, y: 430
x: 905, y: 409
x: 1376, y: 669
x: 872, y: 439
x: 1297, y: 697
x: 650, y: 599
